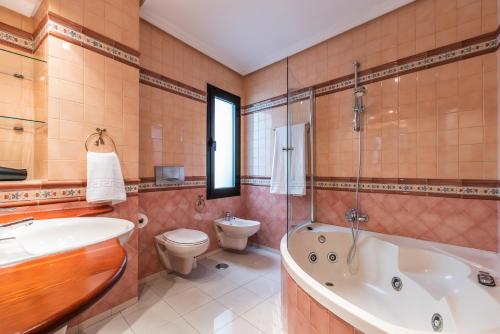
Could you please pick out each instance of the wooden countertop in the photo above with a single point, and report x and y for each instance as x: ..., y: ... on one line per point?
x: 41, y: 295
x: 90, y: 211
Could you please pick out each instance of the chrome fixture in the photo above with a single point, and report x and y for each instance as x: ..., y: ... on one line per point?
x: 354, y: 216
x: 321, y: 239
x: 313, y: 257
x: 485, y: 279
x: 332, y: 257
x: 397, y: 283
x: 221, y: 266
x: 329, y: 284
x: 28, y: 220
x: 437, y: 322
x: 228, y: 216
x: 358, y: 107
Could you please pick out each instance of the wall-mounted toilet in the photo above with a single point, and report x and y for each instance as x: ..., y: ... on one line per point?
x: 178, y: 249
x: 233, y: 233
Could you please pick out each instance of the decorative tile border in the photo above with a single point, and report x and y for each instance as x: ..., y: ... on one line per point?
x: 57, y: 194
x: 156, y: 80
x: 450, y: 188
x: 75, y: 34
x: 458, y: 51
x: 253, y: 181
x: 484, y: 192
x: 71, y: 32
x: 151, y: 186
x: 34, y: 195
x: 16, y: 40
x: 278, y: 101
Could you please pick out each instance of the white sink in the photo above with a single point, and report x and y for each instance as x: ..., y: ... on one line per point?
x: 43, y: 237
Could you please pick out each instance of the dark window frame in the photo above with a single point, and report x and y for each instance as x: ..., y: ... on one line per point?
x: 212, y: 93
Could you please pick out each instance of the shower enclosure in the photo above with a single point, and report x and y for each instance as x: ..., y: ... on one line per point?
x: 349, y: 107
x: 300, y: 110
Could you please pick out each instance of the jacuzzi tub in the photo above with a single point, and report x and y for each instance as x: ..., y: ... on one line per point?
x: 437, y: 281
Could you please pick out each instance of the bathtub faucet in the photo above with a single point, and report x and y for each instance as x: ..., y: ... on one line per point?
x: 353, y: 215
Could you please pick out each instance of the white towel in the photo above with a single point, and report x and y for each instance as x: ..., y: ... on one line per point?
x: 297, y: 177
x: 104, y: 178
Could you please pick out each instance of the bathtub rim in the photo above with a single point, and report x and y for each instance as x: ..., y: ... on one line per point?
x: 354, y: 315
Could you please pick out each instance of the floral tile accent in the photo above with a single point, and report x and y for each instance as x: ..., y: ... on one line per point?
x: 79, y: 37
x: 171, y: 86
x: 14, y: 196
x: 16, y: 40
x: 428, y: 189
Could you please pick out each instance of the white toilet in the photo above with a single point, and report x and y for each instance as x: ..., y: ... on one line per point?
x: 178, y: 249
x: 233, y: 233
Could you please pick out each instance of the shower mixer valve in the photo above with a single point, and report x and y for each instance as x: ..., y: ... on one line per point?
x: 353, y: 215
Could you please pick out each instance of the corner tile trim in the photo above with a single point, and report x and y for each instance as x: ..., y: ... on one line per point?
x: 479, y: 189
x: 170, y: 85
x: 486, y: 43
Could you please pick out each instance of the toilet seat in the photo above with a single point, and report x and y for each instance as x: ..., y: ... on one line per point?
x: 185, y: 237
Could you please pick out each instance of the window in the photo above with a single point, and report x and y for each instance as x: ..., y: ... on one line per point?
x: 223, y: 143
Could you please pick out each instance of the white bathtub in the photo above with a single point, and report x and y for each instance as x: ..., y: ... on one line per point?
x: 437, y: 279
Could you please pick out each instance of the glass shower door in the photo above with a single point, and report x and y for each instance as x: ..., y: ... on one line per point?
x: 300, y: 152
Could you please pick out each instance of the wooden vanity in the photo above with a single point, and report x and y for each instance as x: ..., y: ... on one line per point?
x: 42, y: 295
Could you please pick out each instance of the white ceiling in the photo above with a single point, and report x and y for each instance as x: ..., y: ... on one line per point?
x: 248, y: 35
x: 24, y: 7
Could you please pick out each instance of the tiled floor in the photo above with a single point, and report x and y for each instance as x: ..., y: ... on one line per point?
x: 242, y: 299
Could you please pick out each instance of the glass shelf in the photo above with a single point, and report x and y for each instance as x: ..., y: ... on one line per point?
x: 19, y: 124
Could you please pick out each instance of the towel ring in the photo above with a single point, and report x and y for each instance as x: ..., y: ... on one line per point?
x: 99, y: 141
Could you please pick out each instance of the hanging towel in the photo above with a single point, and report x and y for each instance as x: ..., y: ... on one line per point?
x: 297, y: 177
x: 104, y: 178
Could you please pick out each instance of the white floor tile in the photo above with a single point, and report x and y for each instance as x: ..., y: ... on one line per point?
x: 210, y: 317
x: 145, y: 318
x: 216, y: 285
x: 239, y: 300
x: 239, y: 326
x: 113, y: 325
x: 266, y: 317
x: 263, y: 287
x: 275, y: 299
x: 169, y: 285
x: 179, y: 326
x: 188, y: 300
x: 242, y: 275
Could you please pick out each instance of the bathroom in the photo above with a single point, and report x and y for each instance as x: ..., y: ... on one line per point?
x: 353, y: 187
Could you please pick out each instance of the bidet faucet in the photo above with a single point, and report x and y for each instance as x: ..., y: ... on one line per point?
x: 353, y: 215
x: 228, y: 216
x: 19, y: 221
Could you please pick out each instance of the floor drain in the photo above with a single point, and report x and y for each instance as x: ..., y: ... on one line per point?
x: 329, y: 284
x: 221, y: 266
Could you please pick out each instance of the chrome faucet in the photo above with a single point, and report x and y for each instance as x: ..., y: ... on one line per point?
x: 28, y: 220
x: 353, y: 215
x: 228, y: 216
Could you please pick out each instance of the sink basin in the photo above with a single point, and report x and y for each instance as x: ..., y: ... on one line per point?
x: 44, y: 237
